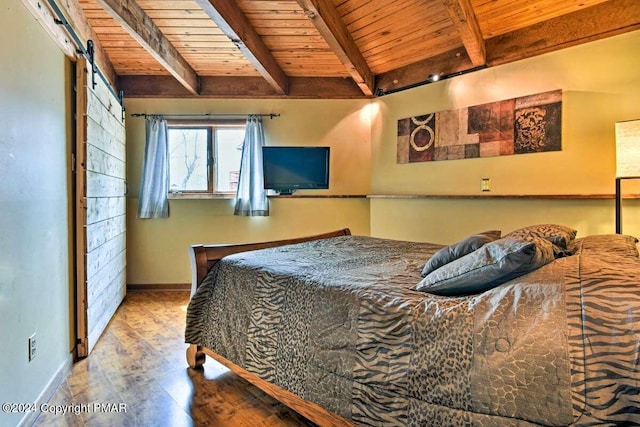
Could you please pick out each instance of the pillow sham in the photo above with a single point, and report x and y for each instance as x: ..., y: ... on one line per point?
x: 559, y: 235
x: 491, y: 265
x: 610, y: 244
x: 452, y: 252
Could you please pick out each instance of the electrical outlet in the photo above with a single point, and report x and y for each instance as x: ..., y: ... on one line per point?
x: 32, y: 347
x: 485, y: 184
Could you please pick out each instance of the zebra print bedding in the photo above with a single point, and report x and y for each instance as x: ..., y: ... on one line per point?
x: 339, y: 323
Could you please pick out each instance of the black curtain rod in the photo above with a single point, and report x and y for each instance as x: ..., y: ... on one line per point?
x: 145, y: 115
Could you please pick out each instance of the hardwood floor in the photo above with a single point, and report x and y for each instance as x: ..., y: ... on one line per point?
x: 139, y: 371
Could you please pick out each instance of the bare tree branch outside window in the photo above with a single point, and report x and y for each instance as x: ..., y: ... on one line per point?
x: 185, y: 145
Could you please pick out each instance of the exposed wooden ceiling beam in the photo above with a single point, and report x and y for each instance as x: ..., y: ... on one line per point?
x: 241, y: 88
x: 464, y: 18
x: 233, y: 22
x: 589, y: 24
x: 78, y: 20
x: 447, y: 63
x: 45, y: 16
x: 593, y: 23
x: 137, y: 23
x: 327, y: 20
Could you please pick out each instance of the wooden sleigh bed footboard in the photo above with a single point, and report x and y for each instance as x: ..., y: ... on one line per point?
x: 203, y: 257
x: 196, y: 356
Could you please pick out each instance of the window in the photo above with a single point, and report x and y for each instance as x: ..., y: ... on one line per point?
x: 204, y: 157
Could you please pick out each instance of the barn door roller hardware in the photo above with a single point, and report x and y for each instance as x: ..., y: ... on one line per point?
x: 91, y: 58
x: 60, y: 19
x: 121, y: 100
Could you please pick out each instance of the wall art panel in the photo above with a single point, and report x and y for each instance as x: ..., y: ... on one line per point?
x: 529, y: 124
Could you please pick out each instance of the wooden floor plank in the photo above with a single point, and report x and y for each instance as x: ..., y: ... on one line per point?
x: 140, y: 362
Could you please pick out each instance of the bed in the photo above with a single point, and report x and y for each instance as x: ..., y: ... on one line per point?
x: 334, y: 326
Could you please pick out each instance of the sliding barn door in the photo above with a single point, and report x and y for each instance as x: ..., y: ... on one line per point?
x: 101, y: 207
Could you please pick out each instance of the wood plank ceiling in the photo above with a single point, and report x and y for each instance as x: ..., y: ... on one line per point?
x: 327, y: 48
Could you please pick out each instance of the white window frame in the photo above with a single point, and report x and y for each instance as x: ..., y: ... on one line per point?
x: 212, y: 157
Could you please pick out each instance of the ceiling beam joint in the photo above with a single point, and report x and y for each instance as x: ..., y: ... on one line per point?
x: 130, y: 16
x: 331, y: 27
x: 464, y: 18
x: 228, y: 16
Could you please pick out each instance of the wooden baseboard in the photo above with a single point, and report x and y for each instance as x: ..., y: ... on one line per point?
x: 49, y: 390
x: 159, y: 287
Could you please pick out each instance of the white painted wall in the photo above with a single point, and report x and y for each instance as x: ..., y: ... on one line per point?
x: 34, y: 207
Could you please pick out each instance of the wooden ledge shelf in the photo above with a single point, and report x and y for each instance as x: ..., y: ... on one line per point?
x: 209, y: 196
x: 201, y: 196
x: 502, y: 196
x: 228, y: 196
x: 322, y: 196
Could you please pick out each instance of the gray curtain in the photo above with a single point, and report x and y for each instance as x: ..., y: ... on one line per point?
x: 153, y: 202
x: 251, y: 197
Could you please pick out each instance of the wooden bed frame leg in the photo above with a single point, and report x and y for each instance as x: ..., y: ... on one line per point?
x: 195, y: 356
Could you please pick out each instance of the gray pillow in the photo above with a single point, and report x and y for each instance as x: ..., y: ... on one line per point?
x: 491, y: 265
x: 466, y: 246
x: 559, y: 235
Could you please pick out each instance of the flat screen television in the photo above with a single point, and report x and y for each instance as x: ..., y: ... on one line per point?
x: 287, y: 169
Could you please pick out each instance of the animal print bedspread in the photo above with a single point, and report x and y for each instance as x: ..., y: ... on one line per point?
x: 339, y: 323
